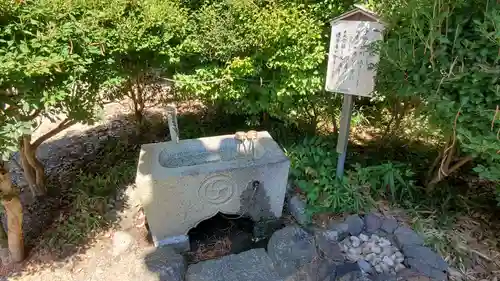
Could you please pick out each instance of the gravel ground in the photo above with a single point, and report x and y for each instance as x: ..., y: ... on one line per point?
x: 110, y: 256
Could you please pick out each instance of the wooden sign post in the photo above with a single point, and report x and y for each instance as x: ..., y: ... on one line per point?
x: 351, y: 66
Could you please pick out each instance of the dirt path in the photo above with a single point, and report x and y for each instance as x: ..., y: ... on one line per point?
x: 116, y: 254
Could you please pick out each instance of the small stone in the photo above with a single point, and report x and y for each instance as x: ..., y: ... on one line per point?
x: 406, y: 236
x: 384, y: 242
x: 376, y: 249
x: 385, y: 267
x: 366, y: 250
x: 121, y: 242
x: 363, y: 237
x: 364, y: 266
x: 344, y: 247
x: 355, y: 224
x: 375, y: 238
x: 370, y: 257
x: 387, y: 260
x: 399, y: 267
x: 353, y: 258
x: 387, y: 251
x: 370, y: 244
x: 355, y: 241
x: 354, y: 251
x: 378, y: 268
x: 389, y: 225
x: 346, y: 242
x: 372, y: 222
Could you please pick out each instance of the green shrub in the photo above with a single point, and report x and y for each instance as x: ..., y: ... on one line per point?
x: 443, y: 57
x: 313, y: 167
x: 389, y: 180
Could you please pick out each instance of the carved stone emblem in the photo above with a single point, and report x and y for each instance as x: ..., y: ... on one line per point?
x: 217, y: 189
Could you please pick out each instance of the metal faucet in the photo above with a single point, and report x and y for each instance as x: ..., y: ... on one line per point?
x: 173, y: 126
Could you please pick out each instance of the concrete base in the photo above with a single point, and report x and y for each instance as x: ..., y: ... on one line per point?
x: 182, y: 184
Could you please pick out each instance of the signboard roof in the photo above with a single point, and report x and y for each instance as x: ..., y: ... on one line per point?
x: 359, y: 10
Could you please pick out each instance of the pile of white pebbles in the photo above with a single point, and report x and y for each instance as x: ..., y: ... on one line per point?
x: 377, y: 251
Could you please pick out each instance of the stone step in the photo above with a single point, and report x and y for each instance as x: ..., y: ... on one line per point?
x: 252, y: 265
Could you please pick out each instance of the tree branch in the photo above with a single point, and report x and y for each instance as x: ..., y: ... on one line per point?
x: 459, y: 164
x: 34, y: 114
x: 66, y: 123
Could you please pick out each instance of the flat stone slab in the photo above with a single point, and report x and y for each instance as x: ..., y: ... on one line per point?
x: 252, y: 265
x: 166, y: 264
x: 291, y: 248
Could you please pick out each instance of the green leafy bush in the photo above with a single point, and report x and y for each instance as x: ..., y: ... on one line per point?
x: 250, y: 58
x: 389, y: 180
x: 443, y: 57
x: 313, y: 167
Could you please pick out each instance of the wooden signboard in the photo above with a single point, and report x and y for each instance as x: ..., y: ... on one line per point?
x: 350, y: 61
x: 351, y: 66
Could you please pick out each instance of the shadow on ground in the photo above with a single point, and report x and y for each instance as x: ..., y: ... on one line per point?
x: 88, y: 174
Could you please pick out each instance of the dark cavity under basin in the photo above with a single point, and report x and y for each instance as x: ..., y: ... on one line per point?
x: 223, y: 235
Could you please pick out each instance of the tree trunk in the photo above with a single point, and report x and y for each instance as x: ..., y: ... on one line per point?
x: 33, y: 168
x: 445, y: 164
x: 13, y: 210
x: 4, y: 245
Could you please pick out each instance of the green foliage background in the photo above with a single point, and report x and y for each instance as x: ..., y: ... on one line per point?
x: 439, y: 60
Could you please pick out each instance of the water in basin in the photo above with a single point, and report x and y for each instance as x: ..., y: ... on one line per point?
x: 199, y: 156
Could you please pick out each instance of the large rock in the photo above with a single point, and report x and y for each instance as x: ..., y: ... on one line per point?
x: 355, y: 224
x: 166, y: 264
x: 341, y: 230
x: 372, y: 223
x: 425, y: 261
x: 405, y: 236
x: 410, y: 275
x: 316, y: 270
x: 297, y: 209
x: 327, y: 243
x: 291, y: 248
x: 353, y: 276
x: 253, y: 265
x: 389, y: 225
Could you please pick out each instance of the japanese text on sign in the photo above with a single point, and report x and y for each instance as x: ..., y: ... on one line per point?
x: 350, y: 62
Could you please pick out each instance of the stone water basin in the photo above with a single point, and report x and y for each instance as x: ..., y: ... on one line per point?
x: 182, y: 184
